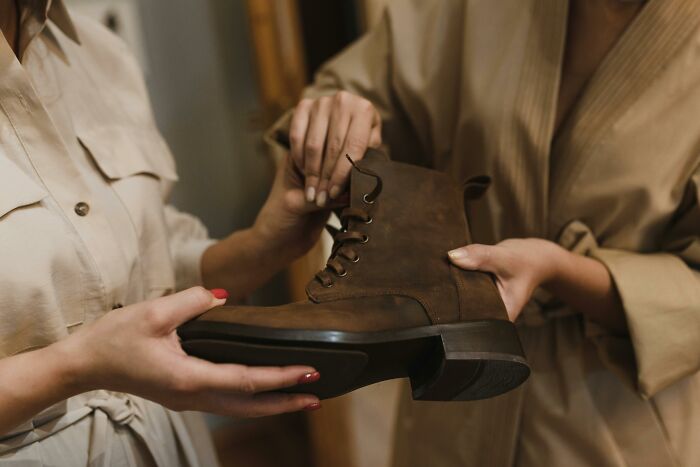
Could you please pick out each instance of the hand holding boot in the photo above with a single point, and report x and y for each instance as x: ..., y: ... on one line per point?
x: 286, y: 227
x: 522, y: 265
x: 136, y: 350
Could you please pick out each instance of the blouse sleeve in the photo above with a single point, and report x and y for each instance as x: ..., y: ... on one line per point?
x: 188, y: 239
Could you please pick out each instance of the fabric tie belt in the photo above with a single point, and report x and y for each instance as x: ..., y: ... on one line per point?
x: 107, y: 409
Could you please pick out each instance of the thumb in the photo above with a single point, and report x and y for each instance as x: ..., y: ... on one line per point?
x: 181, y: 307
x: 296, y: 203
x: 474, y: 257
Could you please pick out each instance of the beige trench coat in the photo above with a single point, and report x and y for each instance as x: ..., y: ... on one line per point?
x: 470, y: 87
x: 83, y: 230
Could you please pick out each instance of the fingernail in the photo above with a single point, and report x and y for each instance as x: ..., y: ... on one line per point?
x: 457, y: 254
x: 310, y: 194
x: 334, y: 191
x: 219, y: 293
x: 309, y: 378
x: 321, y: 199
x: 311, y: 407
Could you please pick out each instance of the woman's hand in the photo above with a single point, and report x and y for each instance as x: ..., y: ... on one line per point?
x: 136, y: 350
x: 518, y: 265
x: 307, y: 185
x: 522, y: 265
x: 287, y: 222
x: 286, y: 228
x: 322, y: 131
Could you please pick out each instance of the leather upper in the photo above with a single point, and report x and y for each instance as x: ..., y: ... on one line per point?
x: 401, y: 276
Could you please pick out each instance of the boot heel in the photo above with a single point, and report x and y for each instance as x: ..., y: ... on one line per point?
x: 471, y: 361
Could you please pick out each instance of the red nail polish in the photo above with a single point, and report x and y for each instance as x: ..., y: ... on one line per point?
x: 309, y: 378
x: 219, y: 293
x: 312, y: 407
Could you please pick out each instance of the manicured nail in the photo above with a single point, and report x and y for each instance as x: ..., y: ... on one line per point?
x: 311, y: 407
x: 309, y: 378
x: 458, y: 253
x: 310, y: 194
x: 321, y: 199
x: 334, y: 191
x: 221, y: 294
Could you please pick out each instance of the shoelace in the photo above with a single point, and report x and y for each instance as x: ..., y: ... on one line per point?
x: 343, y: 237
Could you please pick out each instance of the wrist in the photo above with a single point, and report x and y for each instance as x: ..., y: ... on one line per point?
x: 70, y: 364
x: 270, y: 242
x: 555, y: 261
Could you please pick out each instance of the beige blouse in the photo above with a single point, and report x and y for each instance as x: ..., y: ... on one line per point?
x: 470, y: 87
x: 84, y: 229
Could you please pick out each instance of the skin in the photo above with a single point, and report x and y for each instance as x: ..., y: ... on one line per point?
x: 322, y: 131
x: 519, y: 265
x: 136, y: 350
x: 286, y: 227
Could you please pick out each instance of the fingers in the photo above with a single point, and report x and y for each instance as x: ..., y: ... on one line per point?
x: 167, y: 313
x: 297, y: 131
x: 486, y: 258
x: 375, y: 137
x: 355, y: 145
x: 263, y: 405
x: 323, y: 130
x: 337, y: 133
x: 247, y: 380
x: 239, y: 390
x: 315, y: 143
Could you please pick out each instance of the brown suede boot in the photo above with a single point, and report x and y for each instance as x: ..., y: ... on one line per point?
x: 388, y: 305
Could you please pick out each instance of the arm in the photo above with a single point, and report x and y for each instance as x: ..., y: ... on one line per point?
x: 32, y: 381
x: 585, y: 284
x: 286, y: 227
x: 652, y: 298
x: 136, y: 350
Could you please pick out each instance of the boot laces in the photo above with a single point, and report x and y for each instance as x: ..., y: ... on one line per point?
x: 344, y: 238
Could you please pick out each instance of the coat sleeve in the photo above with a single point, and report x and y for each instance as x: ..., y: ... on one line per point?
x: 188, y: 238
x: 660, y: 294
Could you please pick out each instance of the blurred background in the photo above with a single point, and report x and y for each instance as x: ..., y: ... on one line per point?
x: 220, y: 72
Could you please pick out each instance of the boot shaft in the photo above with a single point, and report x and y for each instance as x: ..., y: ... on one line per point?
x: 398, y: 243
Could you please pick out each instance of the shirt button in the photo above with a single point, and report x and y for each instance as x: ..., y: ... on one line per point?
x: 82, y: 209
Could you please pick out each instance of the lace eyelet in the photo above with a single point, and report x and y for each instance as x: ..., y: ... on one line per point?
x: 345, y: 273
x: 330, y: 284
x: 369, y: 221
x: 357, y: 258
x: 365, y: 239
x: 364, y: 198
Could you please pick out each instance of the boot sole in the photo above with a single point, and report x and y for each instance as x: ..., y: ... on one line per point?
x: 450, y: 362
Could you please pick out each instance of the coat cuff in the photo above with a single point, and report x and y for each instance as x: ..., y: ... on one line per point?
x: 661, y: 299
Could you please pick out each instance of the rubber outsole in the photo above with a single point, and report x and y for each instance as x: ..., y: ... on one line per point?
x: 463, y: 361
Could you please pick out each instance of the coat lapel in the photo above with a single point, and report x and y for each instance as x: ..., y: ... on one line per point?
x: 523, y: 154
x: 651, y: 40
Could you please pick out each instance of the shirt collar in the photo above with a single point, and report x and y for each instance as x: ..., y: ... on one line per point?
x: 34, y: 14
